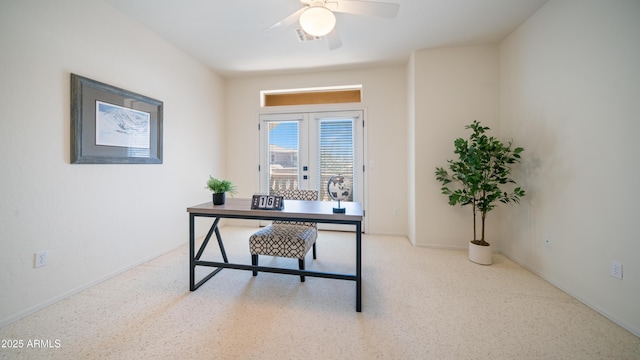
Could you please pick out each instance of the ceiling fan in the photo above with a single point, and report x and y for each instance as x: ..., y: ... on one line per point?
x: 317, y: 16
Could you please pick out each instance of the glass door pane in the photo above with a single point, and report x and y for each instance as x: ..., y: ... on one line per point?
x: 336, y: 148
x: 335, y: 152
x: 283, y: 153
x: 283, y: 150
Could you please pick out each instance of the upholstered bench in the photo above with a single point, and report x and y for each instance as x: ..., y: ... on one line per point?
x: 286, y: 238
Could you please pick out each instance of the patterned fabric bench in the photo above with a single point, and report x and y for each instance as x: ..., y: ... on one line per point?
x: 288, y: 239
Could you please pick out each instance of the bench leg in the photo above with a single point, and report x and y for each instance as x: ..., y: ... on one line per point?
x: 254, y: 261
x: 301, y: 266
x: 314, y: 251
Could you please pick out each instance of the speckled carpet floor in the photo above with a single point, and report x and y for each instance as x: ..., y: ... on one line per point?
x: 418, y: 303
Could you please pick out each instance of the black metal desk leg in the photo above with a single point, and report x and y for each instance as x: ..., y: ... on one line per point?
x: 221, y: 245
x: 213, y: 228
x: 192, y: 264
x: 359, y: 267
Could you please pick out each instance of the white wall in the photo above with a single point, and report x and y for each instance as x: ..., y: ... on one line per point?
x: 384, y: 93
x: 411, y: 148
x: 570, y: 91
x: 95, y: 220
x: 569, y: 85
x: 451, y: 88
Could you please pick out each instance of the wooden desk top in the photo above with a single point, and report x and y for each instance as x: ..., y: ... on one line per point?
x: 298, y: 209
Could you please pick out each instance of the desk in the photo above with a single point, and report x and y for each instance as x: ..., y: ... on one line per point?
x: 294, y: 210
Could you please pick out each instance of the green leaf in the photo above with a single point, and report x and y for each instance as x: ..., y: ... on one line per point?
x: 481, y: 175
x: 218, y: 186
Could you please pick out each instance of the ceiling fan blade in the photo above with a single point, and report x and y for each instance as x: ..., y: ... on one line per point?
x: 371, y: 8
x: 286, y: 22
x: 333, y: 40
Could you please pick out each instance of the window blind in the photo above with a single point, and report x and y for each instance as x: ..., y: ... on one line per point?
x: 336, y: 152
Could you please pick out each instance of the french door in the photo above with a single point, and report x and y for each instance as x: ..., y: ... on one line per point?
x: 303, y: 150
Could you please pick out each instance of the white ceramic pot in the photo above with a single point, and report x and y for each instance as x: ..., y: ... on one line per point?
x: 482, y: 255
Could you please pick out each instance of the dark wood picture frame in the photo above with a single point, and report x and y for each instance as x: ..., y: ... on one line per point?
x: 86, y: 94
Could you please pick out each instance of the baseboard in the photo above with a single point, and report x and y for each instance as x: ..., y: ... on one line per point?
x: 442, y: 247
x: 60, y: 297
x: 632, y: 329
x: 388, y: 234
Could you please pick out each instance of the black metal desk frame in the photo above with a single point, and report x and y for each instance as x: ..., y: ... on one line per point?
x: 240, y: 209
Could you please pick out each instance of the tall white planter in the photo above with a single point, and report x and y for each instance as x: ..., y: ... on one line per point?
x: 482, y: 255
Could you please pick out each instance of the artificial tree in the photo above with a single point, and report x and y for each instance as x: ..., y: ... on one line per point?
x: 480, y: 174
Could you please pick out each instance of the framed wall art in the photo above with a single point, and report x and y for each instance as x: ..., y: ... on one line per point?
x: 110, y: 125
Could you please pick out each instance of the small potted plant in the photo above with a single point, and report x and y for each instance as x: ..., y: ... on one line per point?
x: 219, y: 189
x: 478, y: 178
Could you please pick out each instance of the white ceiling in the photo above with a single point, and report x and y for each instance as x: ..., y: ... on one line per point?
x: 227, y: 34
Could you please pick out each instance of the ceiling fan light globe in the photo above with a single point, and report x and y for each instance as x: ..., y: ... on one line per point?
x: 317, y: 21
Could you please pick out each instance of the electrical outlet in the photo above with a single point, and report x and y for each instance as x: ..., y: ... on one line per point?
x: 616, y: 269
x: 547, y: 242
x: 41, y: 259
